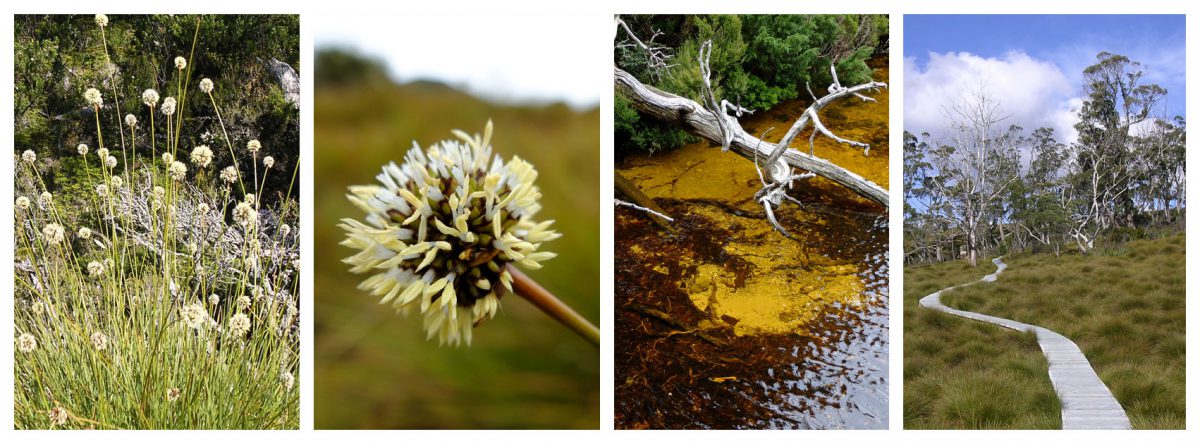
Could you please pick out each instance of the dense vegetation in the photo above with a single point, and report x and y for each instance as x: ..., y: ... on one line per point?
x: 757, y: 61
x: 156, y: 277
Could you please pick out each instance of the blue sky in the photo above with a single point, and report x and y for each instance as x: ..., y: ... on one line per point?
x: 1034, y: 63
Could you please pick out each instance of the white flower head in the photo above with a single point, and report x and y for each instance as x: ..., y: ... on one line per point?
x: 150, y: 98
x: 194, y: 316
x: 53, y: 233
x: 26, y: 343
x: 38, y: 308
x: 213, y: 299
x: 206, y: 85
x: 100, y: 341
x: 85, y: 233
x: 23, y: 202
x: 58, y: 416
x: 288, y: 380
x: 248, y: 198
x: 285, y: 230
x: 441, y: 230
x: 110, y: 161
x: 268, y: 162
x: 180, y: 63
x: 239, y: 325
x: 101, y: 20
x: 95, y: 269
x: 167, y: 158
x: 245, y: 215
x: 202, y: 208
x: 168, y: 106
x: 178, y: 170
x: 243, y: 302
x: 82, y: 149
x: 193, y: 248
x: 29, y: 156
x: 172, y: 394
x: 202, y: 156
x: 131, y: 120
x: 117, y: 181
x: 229, y: 174
x: 102, y: 153
x: 254, y: 145
x: 93, y: 97
x: 46, y: 199
x: 102, y: 190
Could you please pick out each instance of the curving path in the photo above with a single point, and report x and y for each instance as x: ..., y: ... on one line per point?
x: 1086, y: 401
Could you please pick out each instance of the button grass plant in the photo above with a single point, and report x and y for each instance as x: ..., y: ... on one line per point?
x: 148, y: 308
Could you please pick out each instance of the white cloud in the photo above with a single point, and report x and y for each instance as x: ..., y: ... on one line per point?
x: 1034, y: 93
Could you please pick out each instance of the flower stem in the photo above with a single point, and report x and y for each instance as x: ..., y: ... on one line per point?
x: 541, y: 298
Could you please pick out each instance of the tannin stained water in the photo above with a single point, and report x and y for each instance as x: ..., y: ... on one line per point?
x: 725, y: 323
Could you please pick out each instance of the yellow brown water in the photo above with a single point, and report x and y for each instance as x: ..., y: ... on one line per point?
x: 726, y: 323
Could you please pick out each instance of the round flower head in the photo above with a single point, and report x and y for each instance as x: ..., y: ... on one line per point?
x: 213, y: 299
x: 172, y: 394
x: 110, y: 161
x: 168, y: 158
x: 26, y: 343
x: 239, y: 324
x: 46, y: 199
x: 202, y: 156
x: 150, y: 98
x: 117, y: 181
x: 206, y: 86
x: 254, y: 145
x: 194, y: 316
x: 102, y: 190
x: 284, y: 230
x: 243, y: 302
x: 168, y: 106
x: 229, y: 174
x: 38, y: 308
x: 82, y: 149
x: 93, y: 97
x: 100, y: 341
x: 202, y: 208
x: 23, y: 203
x: 131, y: 120
x: 248, y: 198
x: 268, y: 162
x: 178, y: 170
x: 288, y: 380
x: 85, y: 233
x: 58, y: 416
x: 441, y: 229
x: 53, y: 233
x: 245, y: 215
x: 95, y: 268
x: 102, y: 153
x: 29, y: 156
x: 180, y: 63
x: 101, y: 20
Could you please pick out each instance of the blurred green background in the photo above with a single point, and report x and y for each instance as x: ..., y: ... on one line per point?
x: 374, y: 368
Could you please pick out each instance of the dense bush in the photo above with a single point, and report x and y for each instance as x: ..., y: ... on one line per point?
x: 757, y: 61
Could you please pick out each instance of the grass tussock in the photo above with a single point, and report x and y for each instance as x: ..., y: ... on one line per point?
x: 964, y: 374
x: 140, y: 303
x: 1124, y: 308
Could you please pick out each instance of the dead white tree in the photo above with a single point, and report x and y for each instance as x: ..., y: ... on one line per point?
x: 712, y: 121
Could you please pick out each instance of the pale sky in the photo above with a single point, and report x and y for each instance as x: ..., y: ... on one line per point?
x: 507, y: 58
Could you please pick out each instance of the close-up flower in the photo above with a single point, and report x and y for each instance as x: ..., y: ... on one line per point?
x: 23, y: 202
x: 101, y: 20
x: 82, y: 149
x: 28, y: 156
x: 85, y: 233
x: 213, y: 299
x: 167, y: 158
x: 178, y: 170
x: 102, y: 153
x: 245, y: 215
x: 243, y: 303
x: 150, y: 98
x: 284, y: 230
x: 288, y: 380
x: 206, y: 85
x: 239, y: 324
x: 117, y: 181
x: 180, y: 63
x: 46, y: 199
x: 26, y: 343
x: 93, y: 97
x: 442, y: 228
x: 110, y: 161
x: 172, y: 394
x: 100, y: 341
x: 268, y: 162
x: 58, y: 416
x: 102, y: 190
x: 202, y: 156
x: 253, y: 145
x: 202, y: 208
x: 131, y: 120
x: 53, y: 233
x: 168, y: 106
x: 229, y: 174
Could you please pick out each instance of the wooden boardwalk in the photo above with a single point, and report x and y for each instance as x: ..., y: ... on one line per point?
x: 1086, y: 401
